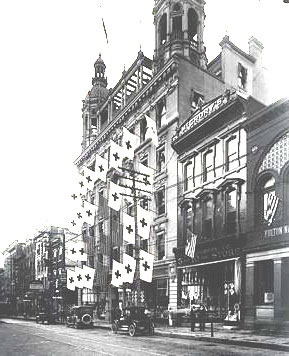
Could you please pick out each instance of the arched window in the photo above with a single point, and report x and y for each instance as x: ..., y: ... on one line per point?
x: 192, y: 25
x: 163, y: 29
x: 267, y: 202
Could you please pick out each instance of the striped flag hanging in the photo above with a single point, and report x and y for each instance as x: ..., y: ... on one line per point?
x: 270, y: 206
x: 191, y: 246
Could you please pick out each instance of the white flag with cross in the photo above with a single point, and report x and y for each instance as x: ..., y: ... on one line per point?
x: 129, y: 268
x: 79, y: 277
x: 146, y: 266
x: 89, y: 212
x: 144, y: 219
x: 88, y: 273
x: 145, y: 182
x: 70, y: 279
x: 116, y: 155
x: 115, y: 197
x: 129, y: 143
x: 90, y: 177
x: 128, y: 223
x: 117, y: 273
x: 101, y: 167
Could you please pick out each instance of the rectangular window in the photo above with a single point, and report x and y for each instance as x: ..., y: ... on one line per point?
x: 161, y: 112
x: 162, y: 297
x: 189, y: 175
x: 231, y: 211
x: 264, y: 282
x: 143, y: 129
x: 161, y: 159
x: 160, y: 244
x: 208, y: 166
x: 242, y: 76
x: 232, y: 153
x: 197, y: 100
x: 207, y: 218
x: 160, y: 201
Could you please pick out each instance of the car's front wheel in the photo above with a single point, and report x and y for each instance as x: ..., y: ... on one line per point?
x: 131, y: 330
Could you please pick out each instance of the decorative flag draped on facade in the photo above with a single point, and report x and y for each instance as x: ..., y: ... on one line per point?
x: 115, y: 197
x: 88, y: 273
x: 146, y: 181
x: 128, y: 228
x: 89, y: 212
x: 144, y: 219
x: 75, y: 251
x: 70, y: 279
x: 129, y: 143
x: 117, y: 273
x: 79, y: 277
x: 129, y: 264
x: 146, y: 266
x: 116, y: 155
x: 101, y: 167
x: 89, y: 177
x: 270, y: 206
x: 151, y: 130
x: 191, y: 246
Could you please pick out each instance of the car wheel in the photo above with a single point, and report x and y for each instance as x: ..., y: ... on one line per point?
x: 131, y: 330
x: 86, y: 319
x: 114, y: 328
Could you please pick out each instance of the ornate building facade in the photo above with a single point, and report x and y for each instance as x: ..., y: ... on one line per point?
x: 199, y: 159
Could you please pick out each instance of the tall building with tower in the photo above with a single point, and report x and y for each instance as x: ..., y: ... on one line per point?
x: 188, y: 117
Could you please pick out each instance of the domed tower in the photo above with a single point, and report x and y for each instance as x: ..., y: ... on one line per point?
x: 95, y: 97
x: 179, y: 28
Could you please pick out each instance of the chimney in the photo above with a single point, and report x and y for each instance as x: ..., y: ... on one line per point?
x: 255, y: 48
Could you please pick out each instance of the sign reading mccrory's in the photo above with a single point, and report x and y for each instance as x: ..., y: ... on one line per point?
x: 204, y: 112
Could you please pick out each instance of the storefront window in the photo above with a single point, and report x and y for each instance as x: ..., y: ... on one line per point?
x: 264, y: 282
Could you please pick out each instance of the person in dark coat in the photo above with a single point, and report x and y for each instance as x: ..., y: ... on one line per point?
x: 193, y: 318
x: 202, y: 316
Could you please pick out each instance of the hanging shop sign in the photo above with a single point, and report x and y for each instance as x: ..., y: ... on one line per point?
x: 216, y: 253
x: 203, y: 113
x: 275, y: 232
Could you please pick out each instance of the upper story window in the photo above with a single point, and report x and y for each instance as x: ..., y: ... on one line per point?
x: 242, y: 76
x: 231, y: 153
x: 161, y: 112
x: 193, y: 21
x: 231, y: 211
x: 188, y: 214
x: 145, y: 160
x: 103, y: 118
x: 161, y: 158
x: 208, y: 214
x: 143, y: 129
x: 144, y: 203
x: 189, y: 174
x: 160, y: 246
x: 208, y: 166
x: 197, y: 100
x: 269, y: 200
x: 163, y: 29
x: 160, y: 201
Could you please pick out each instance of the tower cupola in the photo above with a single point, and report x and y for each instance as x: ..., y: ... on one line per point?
x: 99, y: 67
x: 179, y: 27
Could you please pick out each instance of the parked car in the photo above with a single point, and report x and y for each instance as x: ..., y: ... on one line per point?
x: 49, y: 318
x: 133, y: 320
x: 80, y: 316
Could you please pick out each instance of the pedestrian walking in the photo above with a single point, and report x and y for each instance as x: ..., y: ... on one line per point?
x: 193, y: 318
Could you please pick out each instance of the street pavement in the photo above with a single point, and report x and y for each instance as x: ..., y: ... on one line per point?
x: 26, y: 338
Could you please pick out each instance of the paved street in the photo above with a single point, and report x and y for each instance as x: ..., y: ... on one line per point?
x: 26, y: 338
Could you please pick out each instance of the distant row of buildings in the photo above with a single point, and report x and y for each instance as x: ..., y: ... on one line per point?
x: 221, y: 179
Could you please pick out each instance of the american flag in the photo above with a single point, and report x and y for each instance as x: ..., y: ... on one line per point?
x: 270, y: 206
x: 191, y: 246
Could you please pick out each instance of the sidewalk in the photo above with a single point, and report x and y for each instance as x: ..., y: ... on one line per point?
x: 255, y: 339
x: 247, y: 338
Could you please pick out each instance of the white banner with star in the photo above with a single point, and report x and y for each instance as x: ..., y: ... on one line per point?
x: 129, y: 264
x: 115, y: 197
x: 129, y: 143
x: 146, y: 266
x: 144, y: 219
x: 128, y: 223
x: 117, y: 273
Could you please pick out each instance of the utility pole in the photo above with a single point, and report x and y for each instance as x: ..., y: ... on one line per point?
x: 133, y: 173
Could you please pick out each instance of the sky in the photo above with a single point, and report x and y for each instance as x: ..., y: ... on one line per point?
x: 48, y: 48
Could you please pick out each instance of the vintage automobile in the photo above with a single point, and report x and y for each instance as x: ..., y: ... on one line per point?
x: 80, y: 316
x: 49, y: 318
x: 133, y: 320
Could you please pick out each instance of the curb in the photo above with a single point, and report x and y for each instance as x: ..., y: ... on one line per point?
x: 246, y: 343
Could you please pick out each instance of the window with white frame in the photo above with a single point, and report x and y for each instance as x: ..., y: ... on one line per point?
x: 160, y: 245
x: 189, y: 174
x: 161, y: 112
x: 160, y: 201
x: 242, y: 76
x: 208, y: 166
x: 161, y: 158
x: 231, y: 153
